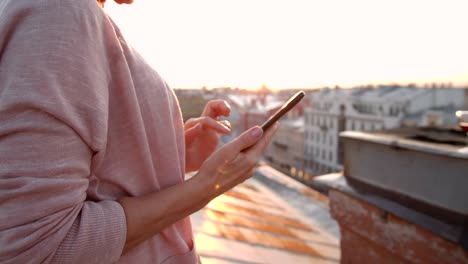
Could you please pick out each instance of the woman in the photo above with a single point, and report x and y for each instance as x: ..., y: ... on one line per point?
x: 93, y: 150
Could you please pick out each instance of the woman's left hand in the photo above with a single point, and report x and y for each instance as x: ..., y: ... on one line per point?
x: 202, y: 134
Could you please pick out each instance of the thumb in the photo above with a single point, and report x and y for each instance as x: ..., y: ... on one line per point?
x: 245, y: 140
x: 192, y: 133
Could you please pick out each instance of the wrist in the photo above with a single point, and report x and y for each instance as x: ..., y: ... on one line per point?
x: 203, y: 188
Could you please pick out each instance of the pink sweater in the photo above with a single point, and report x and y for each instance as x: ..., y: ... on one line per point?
x: 83, y: 121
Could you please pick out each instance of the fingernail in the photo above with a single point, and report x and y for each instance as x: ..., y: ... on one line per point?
x: 256, y: 132
x: 227, y: 105
x: 227, y: 129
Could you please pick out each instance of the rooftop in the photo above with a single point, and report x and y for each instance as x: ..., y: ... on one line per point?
x: 253, y: 224
x: 245, y: 101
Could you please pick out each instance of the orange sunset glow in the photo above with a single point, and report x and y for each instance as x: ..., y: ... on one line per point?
x: 298, y: 43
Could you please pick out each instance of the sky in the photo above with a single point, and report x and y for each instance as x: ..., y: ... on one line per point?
x: 298, y: 43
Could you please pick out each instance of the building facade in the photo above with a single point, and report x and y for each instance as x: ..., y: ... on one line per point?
x: 286, y: 150
x: 373, y: 108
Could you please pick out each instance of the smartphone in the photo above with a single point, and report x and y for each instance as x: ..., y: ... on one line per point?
x: 283, y: 110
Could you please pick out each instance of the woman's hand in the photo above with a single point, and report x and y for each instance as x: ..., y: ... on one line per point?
x: 230, y: 165
x: 234, y: 162
x: 202, y: 134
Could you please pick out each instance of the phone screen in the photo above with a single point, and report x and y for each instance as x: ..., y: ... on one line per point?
x: 283, y: 110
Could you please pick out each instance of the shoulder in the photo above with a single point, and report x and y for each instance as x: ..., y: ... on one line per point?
x: 38, y: 7
x: 39, y: 15
x: 53, y: 35
x: 53, y: 32
x: 54, y: 57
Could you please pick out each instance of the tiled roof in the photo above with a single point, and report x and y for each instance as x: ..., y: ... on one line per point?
x: 249, y: 224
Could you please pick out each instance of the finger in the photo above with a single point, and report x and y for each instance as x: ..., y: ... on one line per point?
x: 226, y: 123
x: 258, y: 149
x: 250, y: 156
x: 191, y: 123
x: 268, y: 138
x: 216, y: 108
x: 210, y: 123
x: 192, y: 133
x: 230, y: 150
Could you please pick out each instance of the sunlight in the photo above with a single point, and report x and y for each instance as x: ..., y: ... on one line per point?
x: 298, y: 43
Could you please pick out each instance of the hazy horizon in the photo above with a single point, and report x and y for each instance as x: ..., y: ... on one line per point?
x: 301, y: 43
x: 420, y: 85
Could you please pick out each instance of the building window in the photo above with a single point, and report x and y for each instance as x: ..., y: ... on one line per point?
x: 330, y: 156
x: 292, y: 170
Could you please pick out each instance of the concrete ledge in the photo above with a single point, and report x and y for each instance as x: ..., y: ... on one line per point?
x: 454, y: 233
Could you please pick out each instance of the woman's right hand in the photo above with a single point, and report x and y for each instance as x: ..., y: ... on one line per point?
x: 234, y: 162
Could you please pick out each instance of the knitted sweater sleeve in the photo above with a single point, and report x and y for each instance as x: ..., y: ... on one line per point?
x: 54, y: 75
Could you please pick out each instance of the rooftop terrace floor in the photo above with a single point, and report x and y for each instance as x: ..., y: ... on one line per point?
x: 253, y: 224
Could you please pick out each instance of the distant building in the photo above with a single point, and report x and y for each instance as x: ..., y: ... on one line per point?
x: 188, y: 92
x: 335, y: 110
x: 252, y: 109
x: 286, y: 151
